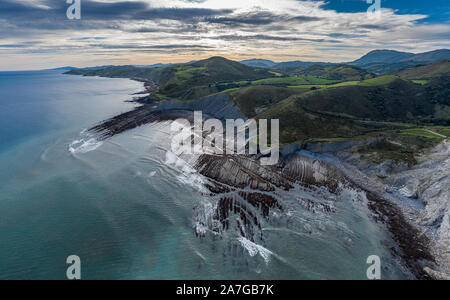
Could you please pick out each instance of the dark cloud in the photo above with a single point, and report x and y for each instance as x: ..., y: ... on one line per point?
x: 179, y: 28
x: 19, y: 45
x: 141, y: 11
x: 14, y: 46
x: 375, y: 26
x: 96, y: 15
x: 87, y: 38
x: 345, y: 35
x: 93, y: 10
x: 258, y: 18
x: 149, y: 47
x: 105, y: 48
x: 269, y: 38
x: 304, y: 19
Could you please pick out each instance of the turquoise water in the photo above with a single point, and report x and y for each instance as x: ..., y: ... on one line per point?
x: 128, y: 210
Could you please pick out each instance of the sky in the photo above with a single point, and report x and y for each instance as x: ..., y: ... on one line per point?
x: 36, y: 34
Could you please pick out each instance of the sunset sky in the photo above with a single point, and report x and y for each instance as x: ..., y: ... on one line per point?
x: 36, y: 34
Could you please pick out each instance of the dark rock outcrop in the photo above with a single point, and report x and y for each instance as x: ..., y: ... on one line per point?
x: 246, y: 208
x: 218, y: 106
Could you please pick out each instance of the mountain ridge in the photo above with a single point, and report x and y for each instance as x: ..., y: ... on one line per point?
x: 378, y: 61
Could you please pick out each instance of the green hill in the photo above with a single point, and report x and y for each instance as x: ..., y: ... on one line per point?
x: 336, y: 72
x: 297, y: 124
x: 334, y: 102
x: 187, y: 81
x: 156, y: 74
x: 382, y: 100
x: 192, y: 81
x: 426, y: 72
x: 289, y: 81
x: 359, y: 107
x: 387, y: 61
x: 255, y: 99
x: 377, y: 81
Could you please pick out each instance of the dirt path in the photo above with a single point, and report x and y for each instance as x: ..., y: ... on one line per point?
x: 435, y: 133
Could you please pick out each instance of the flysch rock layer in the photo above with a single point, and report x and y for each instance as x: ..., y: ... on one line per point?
x: 249, y: 190
x: 422, y: 192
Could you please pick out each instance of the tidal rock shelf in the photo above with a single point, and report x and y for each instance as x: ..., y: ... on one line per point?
x: 218, y: 106
x: 245, y: 194
x: 251, y: 195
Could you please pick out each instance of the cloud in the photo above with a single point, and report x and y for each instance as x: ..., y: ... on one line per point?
x: 148, y: 47
x: 87, y: 38
x: 266, y: 28
x: 259, y: 18
x: 14, y: 46
x: 262, y: 37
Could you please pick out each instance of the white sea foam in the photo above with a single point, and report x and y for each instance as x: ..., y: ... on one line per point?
x: 84, y: 146
x: 253, y: 249
x: 204, y: 221
x: 406, y: 192
x: 189, y: 175
x: 86, y: 143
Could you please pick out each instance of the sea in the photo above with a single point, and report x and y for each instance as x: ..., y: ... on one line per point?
x: 128, y: 207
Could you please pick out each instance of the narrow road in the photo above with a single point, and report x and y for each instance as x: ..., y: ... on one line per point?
x: 435, y: 133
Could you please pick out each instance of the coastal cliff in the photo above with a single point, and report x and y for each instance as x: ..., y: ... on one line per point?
x: 250, y: 191
x: 421, y: 192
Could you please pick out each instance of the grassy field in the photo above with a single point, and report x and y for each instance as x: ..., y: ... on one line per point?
x: 399, y: 145
x: 334, y: 72
x: 256, y: 98
x: 421, y: 82
x: 441, y: 130
x: 428, y: 132
x: 293, y: 81
x: 187, y: 72
x: 384, y: 150
x: 381, y: 80
x: 426, y: 72
x: 378, y: 81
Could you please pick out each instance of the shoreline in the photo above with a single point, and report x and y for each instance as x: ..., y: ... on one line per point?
x: 412, y: 243
x: 411, y: 209
x: 413, y: 248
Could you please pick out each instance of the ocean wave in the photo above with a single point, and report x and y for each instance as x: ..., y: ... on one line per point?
x: 254, y: 249
x: 204, y: 221
x: 189, y: 175
x: 86, y: 143
x: 84, y: 146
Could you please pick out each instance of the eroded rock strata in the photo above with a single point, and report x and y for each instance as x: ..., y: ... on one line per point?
x: 252, y: 195
x: 217, y: 106
x: 246, y: 193
x: 421, y: 193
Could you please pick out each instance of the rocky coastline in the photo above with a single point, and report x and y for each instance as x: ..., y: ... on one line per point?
x: 245, y: 188
x: 420, y: 193
x: 242, y: 174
